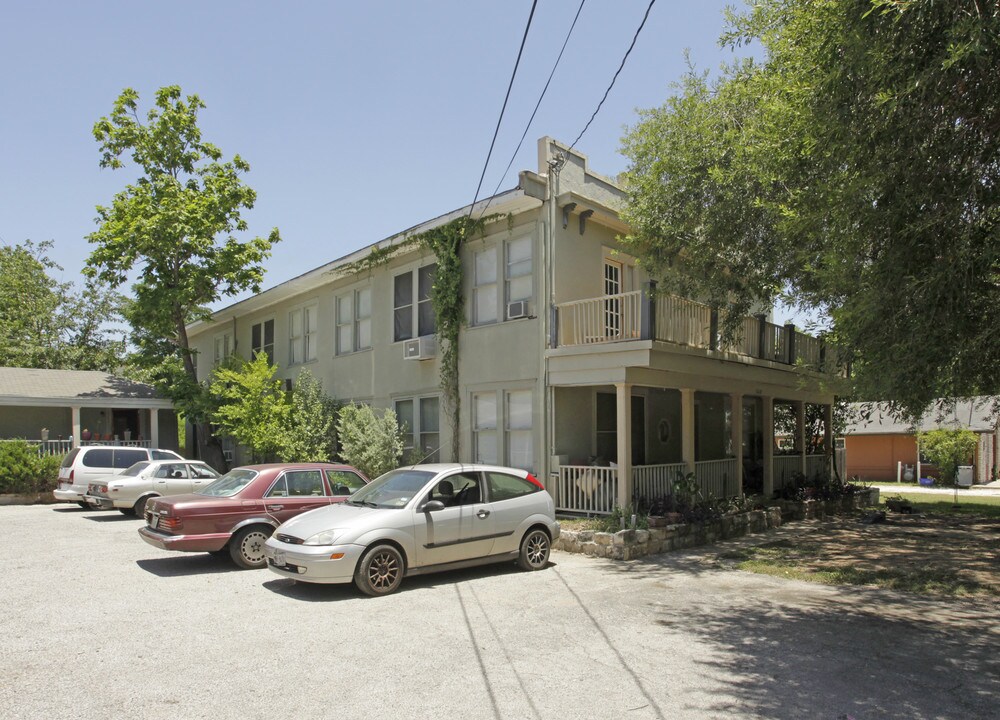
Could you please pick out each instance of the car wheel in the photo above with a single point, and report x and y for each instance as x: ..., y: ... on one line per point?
x: 535, y: 548
x: 127, y: 511
x: 247, y: 547
x: 84, y: 505
x: 380, y: 571
x: 139, y: 509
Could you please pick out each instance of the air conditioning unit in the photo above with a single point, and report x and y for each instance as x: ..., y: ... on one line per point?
x: 517, y: 310
x: 422, y: 348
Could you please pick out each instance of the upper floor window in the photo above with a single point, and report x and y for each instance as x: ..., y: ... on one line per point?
x: 302, y: 334
x: 354, y: 324
x: 518, y: 271
x: 223, y: 347
x: 262, y: 339
x: 411, y: 303
x: 484, y: 293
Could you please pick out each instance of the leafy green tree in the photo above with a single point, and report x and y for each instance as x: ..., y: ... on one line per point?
x: 45, y: 323
x: 371, y: 442
x: 251, y: 406
x: 310, y: 431
x: 856, y: 170
x: 172, y: 230
x: 948, y: 449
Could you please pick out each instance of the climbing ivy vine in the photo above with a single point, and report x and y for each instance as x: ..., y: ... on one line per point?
x: 445, y: 241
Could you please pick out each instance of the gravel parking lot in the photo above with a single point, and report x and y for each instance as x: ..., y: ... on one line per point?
x: 97, y: 624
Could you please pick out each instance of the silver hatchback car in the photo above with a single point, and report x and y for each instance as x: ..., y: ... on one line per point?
x: 416, y: 520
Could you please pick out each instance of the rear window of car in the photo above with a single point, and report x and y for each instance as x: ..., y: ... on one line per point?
x: 229, y: 484
x: 165, y: 455
x: 68, y: 460
x: 506, y: 487
x: 101, y: 457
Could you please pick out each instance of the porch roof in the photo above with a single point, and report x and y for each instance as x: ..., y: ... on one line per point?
x: 32, y: 386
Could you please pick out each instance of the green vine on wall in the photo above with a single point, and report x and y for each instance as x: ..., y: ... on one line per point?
x: 445, y: 241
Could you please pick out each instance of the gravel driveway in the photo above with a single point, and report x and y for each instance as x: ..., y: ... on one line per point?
x: 97, y: 624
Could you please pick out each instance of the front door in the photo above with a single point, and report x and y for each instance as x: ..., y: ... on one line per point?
x: 295, y: 492
x: 172, y: 479
x: 463, y: 529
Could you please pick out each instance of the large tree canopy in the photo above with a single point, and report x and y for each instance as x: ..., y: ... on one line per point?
x: 44, y: 323
x: 173, y: 231
x: 855, y: 170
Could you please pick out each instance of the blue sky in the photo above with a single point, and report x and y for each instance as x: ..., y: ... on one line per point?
x: 358, y: 119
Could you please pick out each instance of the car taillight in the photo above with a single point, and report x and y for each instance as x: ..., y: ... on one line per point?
x: 169, y: 523
x: 71, y: 472
x: 534, y: 481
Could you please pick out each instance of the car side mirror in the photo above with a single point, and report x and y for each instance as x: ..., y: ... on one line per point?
x: 432, y: 506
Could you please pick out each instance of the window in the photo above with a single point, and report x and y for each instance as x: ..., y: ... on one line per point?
x: 507, y: 487
x: 503, y: 436
x: 302, y: 335
x: 520, y: 453
x: 223, y: 348
x: 344, y: 482
x: 484, y: 293
x: 354, y: 329
x: 304, y: 483
x: 262, y: 339
x: 484, y: 428
x: 421, y: 429
x: 459, y: 489
x: 519, y: 278
x: 413, y: 309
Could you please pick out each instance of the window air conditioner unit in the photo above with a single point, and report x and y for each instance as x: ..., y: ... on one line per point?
x: 517, y: 310
x: 422, y: 348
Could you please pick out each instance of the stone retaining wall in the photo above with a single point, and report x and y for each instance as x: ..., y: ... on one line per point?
x: 633, y: 544
x: 42, y: 498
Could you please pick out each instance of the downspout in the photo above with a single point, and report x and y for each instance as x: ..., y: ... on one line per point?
x: 548, y: 293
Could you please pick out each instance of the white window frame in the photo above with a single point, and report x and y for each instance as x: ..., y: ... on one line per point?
x: 414, y: 306
x: 223, y: 347
x: 417, y: 433
x: 357, y: 325
x: 503, y: 427
x: 264, y: 345
x: 514, y: 271
x: 302, y: 347
x: 485, y: 287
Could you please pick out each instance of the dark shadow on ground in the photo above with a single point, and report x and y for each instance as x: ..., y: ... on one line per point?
x: 190, y: 564
x: 110, y: 516
x: 71, y: 509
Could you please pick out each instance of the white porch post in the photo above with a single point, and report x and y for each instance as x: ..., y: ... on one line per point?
x: 687, y: 427
x: 154, y: 427
x: 767, y: 421
x: 800, y: 435
x: 624, y: 406
x: 828, y: 439
x: 736, y: 436
x: 75, y: 411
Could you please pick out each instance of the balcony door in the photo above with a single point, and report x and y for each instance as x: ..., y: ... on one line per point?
x: 613, y: 303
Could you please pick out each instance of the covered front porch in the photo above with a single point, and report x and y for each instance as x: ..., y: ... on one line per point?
x: 625, y: 444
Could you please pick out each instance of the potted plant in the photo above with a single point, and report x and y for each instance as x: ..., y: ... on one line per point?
x: 45, y: 434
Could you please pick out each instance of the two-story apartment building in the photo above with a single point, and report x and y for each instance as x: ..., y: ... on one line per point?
x: 570, y: 364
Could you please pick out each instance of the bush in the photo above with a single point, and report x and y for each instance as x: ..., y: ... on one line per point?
x: 23, y: 471
x: 371, y: 443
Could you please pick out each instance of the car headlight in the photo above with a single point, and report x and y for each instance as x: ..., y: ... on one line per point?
x: 327, y: 537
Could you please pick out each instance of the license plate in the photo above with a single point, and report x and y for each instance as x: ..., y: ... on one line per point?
x: 154, y: 520
x: 279, y: 558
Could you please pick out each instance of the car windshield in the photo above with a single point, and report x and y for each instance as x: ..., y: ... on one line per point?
x: 229, y: 484
x: 392, y: 490
x: 136, y: 469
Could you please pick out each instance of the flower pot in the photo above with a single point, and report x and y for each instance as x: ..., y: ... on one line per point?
x: 45, y: 434
x: 85, y: 435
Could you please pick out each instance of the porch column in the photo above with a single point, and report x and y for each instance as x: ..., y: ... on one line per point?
x: 800, y: 435
x: 154, y: 427
x: 736, y: 436
x: 767, y: 421
x: 624, y: 407
x: 75, y: 412
x: 828, y: 439
x: 687, y: 427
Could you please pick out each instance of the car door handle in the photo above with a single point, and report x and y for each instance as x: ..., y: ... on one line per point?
x: 275, y: 507
x: 483, y: 513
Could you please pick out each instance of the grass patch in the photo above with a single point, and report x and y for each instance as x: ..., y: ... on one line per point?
x: 981, y: 505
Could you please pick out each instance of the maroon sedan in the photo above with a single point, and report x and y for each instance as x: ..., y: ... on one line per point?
x: 240, y: 510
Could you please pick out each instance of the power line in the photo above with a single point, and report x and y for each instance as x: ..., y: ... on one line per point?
x: 537, y: 105
x: 634, y: 38
x: 506, y: 98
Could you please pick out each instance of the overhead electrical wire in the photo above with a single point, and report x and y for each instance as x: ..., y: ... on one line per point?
x: 506, y: 98
x: 537, y: 105
x: 627, y: 52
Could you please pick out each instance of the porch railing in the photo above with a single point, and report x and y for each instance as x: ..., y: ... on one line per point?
x: 613, y: 318
x: 717, y: 478
x: 786, y: 467
x: 655, y: 481
x: 586, y: 489
x: 48, y: 447
x: 600, y: 320
x: 816, y: 466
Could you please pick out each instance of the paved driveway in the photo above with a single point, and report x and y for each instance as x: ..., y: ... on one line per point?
x: 97, y: 624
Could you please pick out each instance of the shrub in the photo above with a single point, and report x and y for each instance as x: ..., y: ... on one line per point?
x: 370, y: 442
x: 22, y: 470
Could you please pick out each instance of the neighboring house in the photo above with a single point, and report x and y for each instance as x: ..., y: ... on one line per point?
x: 880, y: 448
x: 62, y: 408
x: 569, y: 365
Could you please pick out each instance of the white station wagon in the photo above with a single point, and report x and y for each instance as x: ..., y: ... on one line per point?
x: 416, y: 520
x: 148, y: 479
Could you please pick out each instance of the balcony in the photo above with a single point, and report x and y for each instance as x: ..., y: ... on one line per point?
x: 682, y: 322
